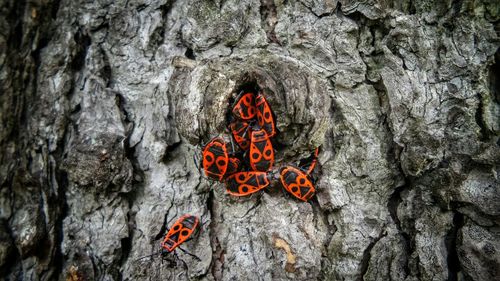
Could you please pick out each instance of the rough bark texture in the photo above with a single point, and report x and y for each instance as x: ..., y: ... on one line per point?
x: 104, y: 104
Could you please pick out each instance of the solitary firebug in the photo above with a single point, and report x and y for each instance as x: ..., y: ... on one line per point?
x: 181, y: 230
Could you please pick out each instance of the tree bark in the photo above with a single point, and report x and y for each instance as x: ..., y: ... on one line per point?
x: 106, y: 104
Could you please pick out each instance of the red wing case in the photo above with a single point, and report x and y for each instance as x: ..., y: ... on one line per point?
x: 261, y: 151
x: 244, y: 108
x: 246, y: 183
x: 265, y: 115
x: 297, y: 183
x: 180, y: 231
x: 241, y: 133
x: 215, y: 159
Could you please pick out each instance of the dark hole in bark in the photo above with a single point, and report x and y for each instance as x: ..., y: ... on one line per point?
x: 83, y: 42
x: 12, y: 257
x: 126, y: 244
x: 171, y: 152
x: 190, y: 54
x: 55, y: 8
x: 14, y: 17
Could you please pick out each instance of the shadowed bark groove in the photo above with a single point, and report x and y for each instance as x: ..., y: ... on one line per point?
x: 451, y: 245
x: 367, y: 255
x: 105, y: 104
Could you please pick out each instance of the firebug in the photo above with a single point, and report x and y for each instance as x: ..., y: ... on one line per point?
x: 180, y: 231
x: 297, y: 182
x: 261, y: 152
x: 246, y: 183
x: 215, y: 158
x: 265, y: 117
x: 244, y: 107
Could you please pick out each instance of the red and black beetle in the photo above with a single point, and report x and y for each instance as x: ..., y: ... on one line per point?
x: 215, y: 158
x: 181, y: 231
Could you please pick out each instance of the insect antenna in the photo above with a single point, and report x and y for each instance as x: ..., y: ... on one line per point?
x: 170, y: 220
x: 257, y: 203
x: 148, y: 256
x: 203, y: 224
x: 198, y: 166
x: 186, y: 252
x: 166, y: 221
x: 232, y: 146
x: 185, y: 264
x: 309, y: 164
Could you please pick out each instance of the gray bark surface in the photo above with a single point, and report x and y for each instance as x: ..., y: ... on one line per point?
x: 104, y: 105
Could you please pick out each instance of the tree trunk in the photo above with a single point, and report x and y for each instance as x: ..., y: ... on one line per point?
x: 106, y: 104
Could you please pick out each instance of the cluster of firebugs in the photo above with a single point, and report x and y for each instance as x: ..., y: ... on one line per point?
x: 252, y: 125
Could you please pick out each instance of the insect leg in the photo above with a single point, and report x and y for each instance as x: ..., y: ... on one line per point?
x: 185, y: 264
x: 198, y: 166
x: 203, y: 224
x: 186, y: 252
x: 170, y: 207
x: 147, y: 256
x: 233, y: 150
x: 257, y: 203
x: 249, y: 128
